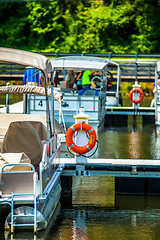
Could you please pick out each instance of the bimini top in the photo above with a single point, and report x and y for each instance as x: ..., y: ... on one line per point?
x: 25, y: 58
x: 81, y: 63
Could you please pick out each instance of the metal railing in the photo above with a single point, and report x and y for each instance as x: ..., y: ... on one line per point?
x: 139, y: 67
x: 135, y: 56
x: 50, y: 151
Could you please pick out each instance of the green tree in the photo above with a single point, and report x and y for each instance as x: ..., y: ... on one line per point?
x: 117, y: 26
x: 14, y: 28
x: 147, y: 24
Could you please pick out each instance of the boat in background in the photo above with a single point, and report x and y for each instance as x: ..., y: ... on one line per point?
x: 93, y: 100
x: 30, y: 179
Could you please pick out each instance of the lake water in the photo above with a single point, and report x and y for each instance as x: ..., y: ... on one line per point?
x: 94, y: 212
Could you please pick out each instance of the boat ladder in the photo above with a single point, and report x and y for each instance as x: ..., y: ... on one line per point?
x: 15, y: 216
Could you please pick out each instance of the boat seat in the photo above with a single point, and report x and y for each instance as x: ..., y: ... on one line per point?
x: 24, y: 136
x: 19, y: 183
x: 2, y: 133
x: 12, y: 159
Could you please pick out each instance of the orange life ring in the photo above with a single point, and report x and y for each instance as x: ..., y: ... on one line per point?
x: 77, y: 127
x: 136, y: 90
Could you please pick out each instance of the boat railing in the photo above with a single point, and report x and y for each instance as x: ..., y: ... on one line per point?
x: 72, y: 101
x: 94, y: 106
x: 19, y: 187
x: 17, y: 181
x: 50, y: 149
x: 50, y: 152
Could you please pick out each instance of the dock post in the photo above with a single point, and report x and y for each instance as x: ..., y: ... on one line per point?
x: 81, y: 137
x: 136, y: 96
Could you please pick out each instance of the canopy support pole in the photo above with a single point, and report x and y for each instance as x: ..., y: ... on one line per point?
x: 48, y: 118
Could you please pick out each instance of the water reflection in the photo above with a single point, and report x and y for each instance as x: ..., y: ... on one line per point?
x: 134, y: 145
x: 155, y: 145
x: 79, y: 225
x: 127, y: 142
x: 101, y: 223
x: 136, y: 202
x: 22, y: 236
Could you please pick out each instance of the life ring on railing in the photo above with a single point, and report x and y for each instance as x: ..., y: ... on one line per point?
x: 91, y: 133
x: 97, y: 82
x: 141, y: 94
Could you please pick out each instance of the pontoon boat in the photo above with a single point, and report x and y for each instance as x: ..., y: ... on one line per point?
x: 29, y: 178
x: 93, y: 100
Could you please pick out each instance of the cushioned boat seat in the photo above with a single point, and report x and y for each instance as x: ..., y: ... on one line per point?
x: 24, y: 136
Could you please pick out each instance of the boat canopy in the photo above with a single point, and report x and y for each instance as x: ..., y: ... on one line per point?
x: 81, y: 63
x: 30, y: 90
x: 34, y: 60
x: 25, y: 58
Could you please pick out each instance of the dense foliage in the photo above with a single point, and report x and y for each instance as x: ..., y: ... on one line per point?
x: 117, y: 26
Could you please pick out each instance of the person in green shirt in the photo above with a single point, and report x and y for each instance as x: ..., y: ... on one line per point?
x: 86, y: 83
